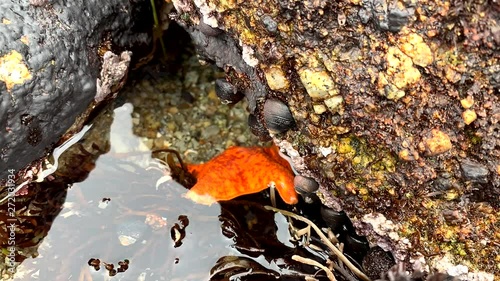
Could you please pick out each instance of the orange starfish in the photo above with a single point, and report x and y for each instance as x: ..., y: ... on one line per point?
x: 239, y: 171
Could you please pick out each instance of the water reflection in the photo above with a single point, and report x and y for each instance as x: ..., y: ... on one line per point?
x: 120, y: 197
x: 126, y: 220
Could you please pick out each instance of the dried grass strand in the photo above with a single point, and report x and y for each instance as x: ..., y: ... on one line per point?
x: 327, y: 242
x: 328, y: 272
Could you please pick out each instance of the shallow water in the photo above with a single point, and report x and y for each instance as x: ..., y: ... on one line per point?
x: 86, y: 227
x: 110, y: 208
x: 119, y: 195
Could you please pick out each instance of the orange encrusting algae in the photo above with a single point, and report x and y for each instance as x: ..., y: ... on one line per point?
x: 239, y: 171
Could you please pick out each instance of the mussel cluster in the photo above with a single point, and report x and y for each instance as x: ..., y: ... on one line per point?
x: 276, y: 116
x: 276, y: 119
x: 273, y: 117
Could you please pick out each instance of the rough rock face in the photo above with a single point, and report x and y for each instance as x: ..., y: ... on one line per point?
x: 396, y: 105
x: 51, y: 53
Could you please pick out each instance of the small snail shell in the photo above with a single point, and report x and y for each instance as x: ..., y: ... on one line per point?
x: 305, y: 185
x: 257, y: 128
x: 277, y: 116
x: 226, y: 92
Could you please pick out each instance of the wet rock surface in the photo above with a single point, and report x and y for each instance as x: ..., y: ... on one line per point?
x: 50, y: 58
x: 391, y: 103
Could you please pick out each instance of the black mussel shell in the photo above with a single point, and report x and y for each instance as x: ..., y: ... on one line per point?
x: 377, y: 262
x: 305, y: 185
x: 277, y: 116
x: 356, y: 246
x: 333, y: 219
x: 257, y: 128
x: 226, y: 92
x: 208, y: 30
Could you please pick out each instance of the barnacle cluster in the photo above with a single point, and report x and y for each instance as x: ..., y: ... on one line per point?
x: 388, y: 100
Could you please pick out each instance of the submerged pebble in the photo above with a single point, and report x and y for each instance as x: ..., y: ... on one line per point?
x: 334, y: 220
x: 129, y: 232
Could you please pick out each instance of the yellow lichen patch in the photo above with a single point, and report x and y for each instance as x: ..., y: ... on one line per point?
x: 13, y: 70
x: 437, y: 142
x: 318, y: 83
x: 25, y: 39
x: 390, y: 91
x: 413, y: 46
x: 247, y: 36
x: 319, y: 108
x: 469, y: 116
x: 6, y: 21
x: 400, y: 68
x: 345, y: 147
x: 334, y: 104
x: 399, y: 75
x: 276, y: 78
x: 226, y: 5
x: 405, y: 155
x: 468, y: 102
x: 451, y: 75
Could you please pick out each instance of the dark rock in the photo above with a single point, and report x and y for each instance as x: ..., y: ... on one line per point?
x: 208, y: 30
x: 257, y: 128
x: 474, y: 171
x: 357, y: 246
x: 334, y: 220
x: 442, y: 182
x: 397, y: 19
x: 61, y: 56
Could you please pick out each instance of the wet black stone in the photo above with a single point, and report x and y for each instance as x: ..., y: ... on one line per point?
x: 385, y: 15
x: 61, y: 56
x: 364, y: 15
x: 397, y: 19
x: 208, y: 30
x: 442, y: 182
x: 305, y: 185
x: 334, y: 220
x: 356, y: 246
x: 474, y: 171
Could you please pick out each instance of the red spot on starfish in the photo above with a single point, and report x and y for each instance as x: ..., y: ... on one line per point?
x: 239, y: 171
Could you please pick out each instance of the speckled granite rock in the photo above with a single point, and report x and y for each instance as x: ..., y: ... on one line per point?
x: 396, y: 107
